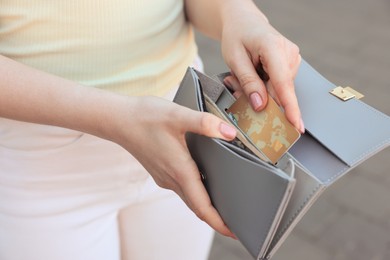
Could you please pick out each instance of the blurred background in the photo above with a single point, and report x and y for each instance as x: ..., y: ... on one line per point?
x: 347, y: 41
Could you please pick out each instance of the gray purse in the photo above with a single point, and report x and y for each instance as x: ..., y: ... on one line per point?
x: 261, y: 203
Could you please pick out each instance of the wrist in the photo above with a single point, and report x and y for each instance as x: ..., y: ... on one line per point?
x: 239, y: 8
x: 118, y: 118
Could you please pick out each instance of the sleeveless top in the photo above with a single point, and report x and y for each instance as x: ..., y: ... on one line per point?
x: 133, y: 47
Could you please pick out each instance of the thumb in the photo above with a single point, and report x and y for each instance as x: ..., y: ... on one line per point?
x: 207, y: 124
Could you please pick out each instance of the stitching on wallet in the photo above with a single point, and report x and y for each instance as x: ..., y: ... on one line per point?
x: 378, y: 114
x: 217, y: 91
x: 281, y: 233
x: 336, y: 175
x: 304, y: 203
x: 369, y: 151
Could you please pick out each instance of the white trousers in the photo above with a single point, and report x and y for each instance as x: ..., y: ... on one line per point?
x: 66, y: 195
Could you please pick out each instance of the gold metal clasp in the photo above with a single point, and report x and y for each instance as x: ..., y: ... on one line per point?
x: 346, y: 93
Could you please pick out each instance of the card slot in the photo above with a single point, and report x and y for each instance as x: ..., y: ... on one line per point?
x: 313, y: 156
x: 285, y: 170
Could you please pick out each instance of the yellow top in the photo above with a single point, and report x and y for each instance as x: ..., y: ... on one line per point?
x: 133, y: 47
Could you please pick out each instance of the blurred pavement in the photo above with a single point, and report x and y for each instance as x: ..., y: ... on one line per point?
x: 348, y: 41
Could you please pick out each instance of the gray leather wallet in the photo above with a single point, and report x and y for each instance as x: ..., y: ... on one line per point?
x: 261, y: 203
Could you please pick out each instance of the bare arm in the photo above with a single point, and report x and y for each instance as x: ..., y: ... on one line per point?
x: 30, y: 95
x: 34, y: 96
x: 208, y: 16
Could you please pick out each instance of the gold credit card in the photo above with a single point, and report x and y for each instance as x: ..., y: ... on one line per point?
x: 268, y: 130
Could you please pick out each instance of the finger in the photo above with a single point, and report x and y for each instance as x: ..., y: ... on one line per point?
x: 272, y: 92
x: 296, y: 66
x: 281, y: 78
x: 209, y: 125
x: 232, y: 83
x: 197, y: 199
x: 237, y: 94
x: 250, y: 82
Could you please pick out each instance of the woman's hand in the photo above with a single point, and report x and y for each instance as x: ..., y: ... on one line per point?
x: 151, y: 129
x: 251, y: 45
x: 155, y: 135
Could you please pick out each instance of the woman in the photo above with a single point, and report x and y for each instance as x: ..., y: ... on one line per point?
x: 86, y: 119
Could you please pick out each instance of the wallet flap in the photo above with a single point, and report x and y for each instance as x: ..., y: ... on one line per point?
x: 351, y: 129
x: 188, y: 93
x: 312, y: 155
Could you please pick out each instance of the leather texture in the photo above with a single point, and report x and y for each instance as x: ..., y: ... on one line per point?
x: 251, y: 209
x: 334, y: 122
x: 262, y: 203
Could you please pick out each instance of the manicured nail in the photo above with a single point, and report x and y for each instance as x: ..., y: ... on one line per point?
x: 256, y: 101
x: 302, y: 127
x: 227, y: 82
x: 227, y: 131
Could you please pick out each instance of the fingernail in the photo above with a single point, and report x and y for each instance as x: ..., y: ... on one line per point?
x: 302, y: 128
x: 227, y: 131
x: 256, y: 101
x: 227, y: 82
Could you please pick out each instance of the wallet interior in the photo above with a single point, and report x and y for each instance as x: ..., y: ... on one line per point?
x: 330, y: 147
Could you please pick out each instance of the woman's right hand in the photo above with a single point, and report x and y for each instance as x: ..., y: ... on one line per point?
x: 155, y: 135
x: 150, y: 128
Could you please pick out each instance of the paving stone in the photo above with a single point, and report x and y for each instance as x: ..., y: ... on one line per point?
x: 375, y: 169
x: 364, y: 197
x: 295, y: 247
x: 322, y: 215
x: 353, y: 237
x: 228, y: 249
